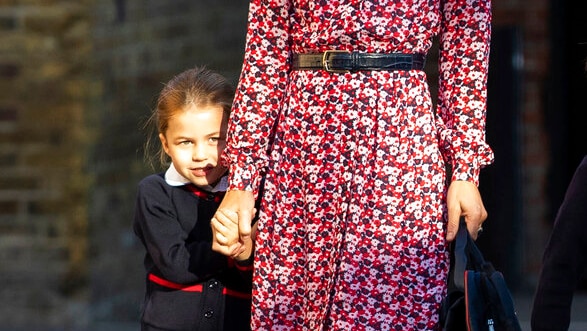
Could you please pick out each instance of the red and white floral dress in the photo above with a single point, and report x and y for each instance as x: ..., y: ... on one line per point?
x: 351, y: 234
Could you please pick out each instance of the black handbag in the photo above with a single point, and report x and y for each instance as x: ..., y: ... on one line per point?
x: 478, y: 298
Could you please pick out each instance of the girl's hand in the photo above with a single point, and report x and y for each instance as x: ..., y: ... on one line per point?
x: 239, y: 206
x: 225, y: 234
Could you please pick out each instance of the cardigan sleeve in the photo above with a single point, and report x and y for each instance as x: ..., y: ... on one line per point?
x: 156, y: 224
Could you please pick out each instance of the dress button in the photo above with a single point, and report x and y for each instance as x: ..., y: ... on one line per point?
x: 209, y: 314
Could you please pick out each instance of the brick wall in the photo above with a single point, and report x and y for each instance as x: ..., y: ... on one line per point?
x: 76, y: 79
x: 532, y: 18
x: 44, y: 52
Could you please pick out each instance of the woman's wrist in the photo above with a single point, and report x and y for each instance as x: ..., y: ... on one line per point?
x: 245, y: 258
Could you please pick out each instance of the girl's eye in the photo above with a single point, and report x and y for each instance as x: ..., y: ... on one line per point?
x: 185, y: 142
x: 214, y: 140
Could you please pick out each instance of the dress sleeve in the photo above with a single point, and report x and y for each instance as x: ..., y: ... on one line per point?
x: 259, y: 93
x: 465, y: 34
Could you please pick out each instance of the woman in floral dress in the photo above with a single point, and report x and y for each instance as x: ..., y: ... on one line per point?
x: 356, y: 214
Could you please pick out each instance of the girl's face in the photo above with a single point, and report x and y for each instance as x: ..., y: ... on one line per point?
x: 194, y: 140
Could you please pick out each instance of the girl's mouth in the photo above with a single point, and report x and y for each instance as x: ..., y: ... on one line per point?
x: 201, y: 172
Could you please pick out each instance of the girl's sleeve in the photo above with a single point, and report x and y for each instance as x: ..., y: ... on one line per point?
x: 465, y: 34
x: 166, y: 241
x: 259, y: 93
x: 245, y: 268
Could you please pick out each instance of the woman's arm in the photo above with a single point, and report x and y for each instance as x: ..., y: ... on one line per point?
x: 465, y: 35
x: 462, y: 99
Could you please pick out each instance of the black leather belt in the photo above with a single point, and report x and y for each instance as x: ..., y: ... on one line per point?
x: 343, y: 61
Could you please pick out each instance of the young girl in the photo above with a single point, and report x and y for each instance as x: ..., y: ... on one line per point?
x: 189, y: 286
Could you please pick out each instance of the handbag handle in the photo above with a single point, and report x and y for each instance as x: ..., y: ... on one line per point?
x: 466, y: 256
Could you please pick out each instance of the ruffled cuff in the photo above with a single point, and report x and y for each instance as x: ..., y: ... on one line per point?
x: 467, y: 166
x: 243, y: 178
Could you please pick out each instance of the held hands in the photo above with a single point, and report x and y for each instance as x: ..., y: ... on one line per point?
x: 232, y: 234
x: 464, y: 200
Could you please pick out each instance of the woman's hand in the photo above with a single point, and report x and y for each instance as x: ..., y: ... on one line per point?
x: 464, y: 200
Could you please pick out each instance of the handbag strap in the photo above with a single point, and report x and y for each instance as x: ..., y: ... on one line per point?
x: 466, y: 256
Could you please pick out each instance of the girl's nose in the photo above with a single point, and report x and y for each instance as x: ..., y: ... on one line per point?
x: 199, y: 152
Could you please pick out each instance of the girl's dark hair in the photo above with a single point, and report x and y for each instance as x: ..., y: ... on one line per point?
x: 197, y: 87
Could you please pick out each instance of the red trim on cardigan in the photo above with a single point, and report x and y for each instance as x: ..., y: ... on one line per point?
x: 203, y: 194
x: 194, y: 288
x: 232, y: 263
x: 243, y: 267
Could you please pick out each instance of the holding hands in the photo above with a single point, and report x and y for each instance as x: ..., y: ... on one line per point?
x: 232, y: 233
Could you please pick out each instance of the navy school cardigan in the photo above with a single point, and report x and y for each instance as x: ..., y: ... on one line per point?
x: 188, y: 286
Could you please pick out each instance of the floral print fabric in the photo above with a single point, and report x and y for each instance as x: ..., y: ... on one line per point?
x: 351, y: 232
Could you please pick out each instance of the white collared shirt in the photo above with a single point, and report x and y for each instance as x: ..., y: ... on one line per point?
x: 174, y: 178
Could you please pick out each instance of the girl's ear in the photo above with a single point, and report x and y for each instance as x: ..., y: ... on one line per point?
x: 164, y: 143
